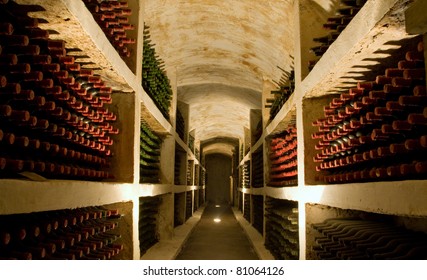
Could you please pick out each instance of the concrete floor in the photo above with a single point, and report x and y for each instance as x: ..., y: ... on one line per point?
x: 217, y: 240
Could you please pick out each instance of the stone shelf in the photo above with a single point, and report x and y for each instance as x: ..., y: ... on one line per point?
x: 185, y: 188
x: 24, y: 196
x: 370, y: 38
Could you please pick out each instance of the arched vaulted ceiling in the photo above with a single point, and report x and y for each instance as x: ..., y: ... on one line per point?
x: 221, y: 52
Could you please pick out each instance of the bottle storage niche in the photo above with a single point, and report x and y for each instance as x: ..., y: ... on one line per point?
x: 334, y: 25
x: 246, y: 141
x: 197, y: 153
x: 180, y: 165
x: 258, y: 213
x: 257, y: 166
x: 201, y: 196
x: 377, y: 130
x: 245, y: 175
x: 179, y: 209
x: 148, y: 222
x: 191, y: 140
x: 180, y: 124
x: 196, y: 203
x: 202, y: 177
x: 119, y: 24
x: 283, y: 164
x: 341, y: 234
x: 182, y: 120
x: 190, y: 173
x: 281, y: 228
x: 176, y: 170
x: 154, y: 77
x: 188, y: 205
x: 57, y: 117
x: 285, y: 88
x: 149, y: 159
x: 240, y: 197
x: 86, y: 233
x: 197, y: 175
x: 247, y: 207
x: 255, y: 117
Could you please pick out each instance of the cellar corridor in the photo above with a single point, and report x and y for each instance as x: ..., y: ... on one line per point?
x: 218, y: 236
x: 213, y: 130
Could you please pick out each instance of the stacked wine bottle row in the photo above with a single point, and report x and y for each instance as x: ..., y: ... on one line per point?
x: 154, y: 79
x: 257, y: 169
x: 245, y: 175
x: 197, y: 153
x: 202, y: 177
x: 355, y: 239
x: 196, y: 201
x: 148, y: 213
x: 178, y: 208
x: 188, y: 205
x: 112, y: 17
x: 149, y: 155
x: 282, y: 229
x: 257, y: 132
x: 247, y: 207
x: 83, y: 234
x: 258, y: 206
x: 177, y: 169
x: 191, y: 143
x: 189, y: 172
x: 283, y: 159
x: 281, y: 94
x: 54, y: 117
x: 180, y: 125
x: 378, y: 130
x: 201, y: 197
x: 335, y: 25
x: 197, y: 175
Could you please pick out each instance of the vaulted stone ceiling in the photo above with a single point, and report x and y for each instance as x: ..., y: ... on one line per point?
x: 221, y: 52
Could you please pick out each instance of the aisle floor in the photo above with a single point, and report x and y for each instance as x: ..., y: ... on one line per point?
x: 214, y: 239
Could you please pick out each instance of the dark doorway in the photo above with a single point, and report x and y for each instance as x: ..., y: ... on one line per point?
x: 218, y: 170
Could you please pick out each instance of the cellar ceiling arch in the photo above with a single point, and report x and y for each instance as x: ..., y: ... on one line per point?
x: 222, y: 52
